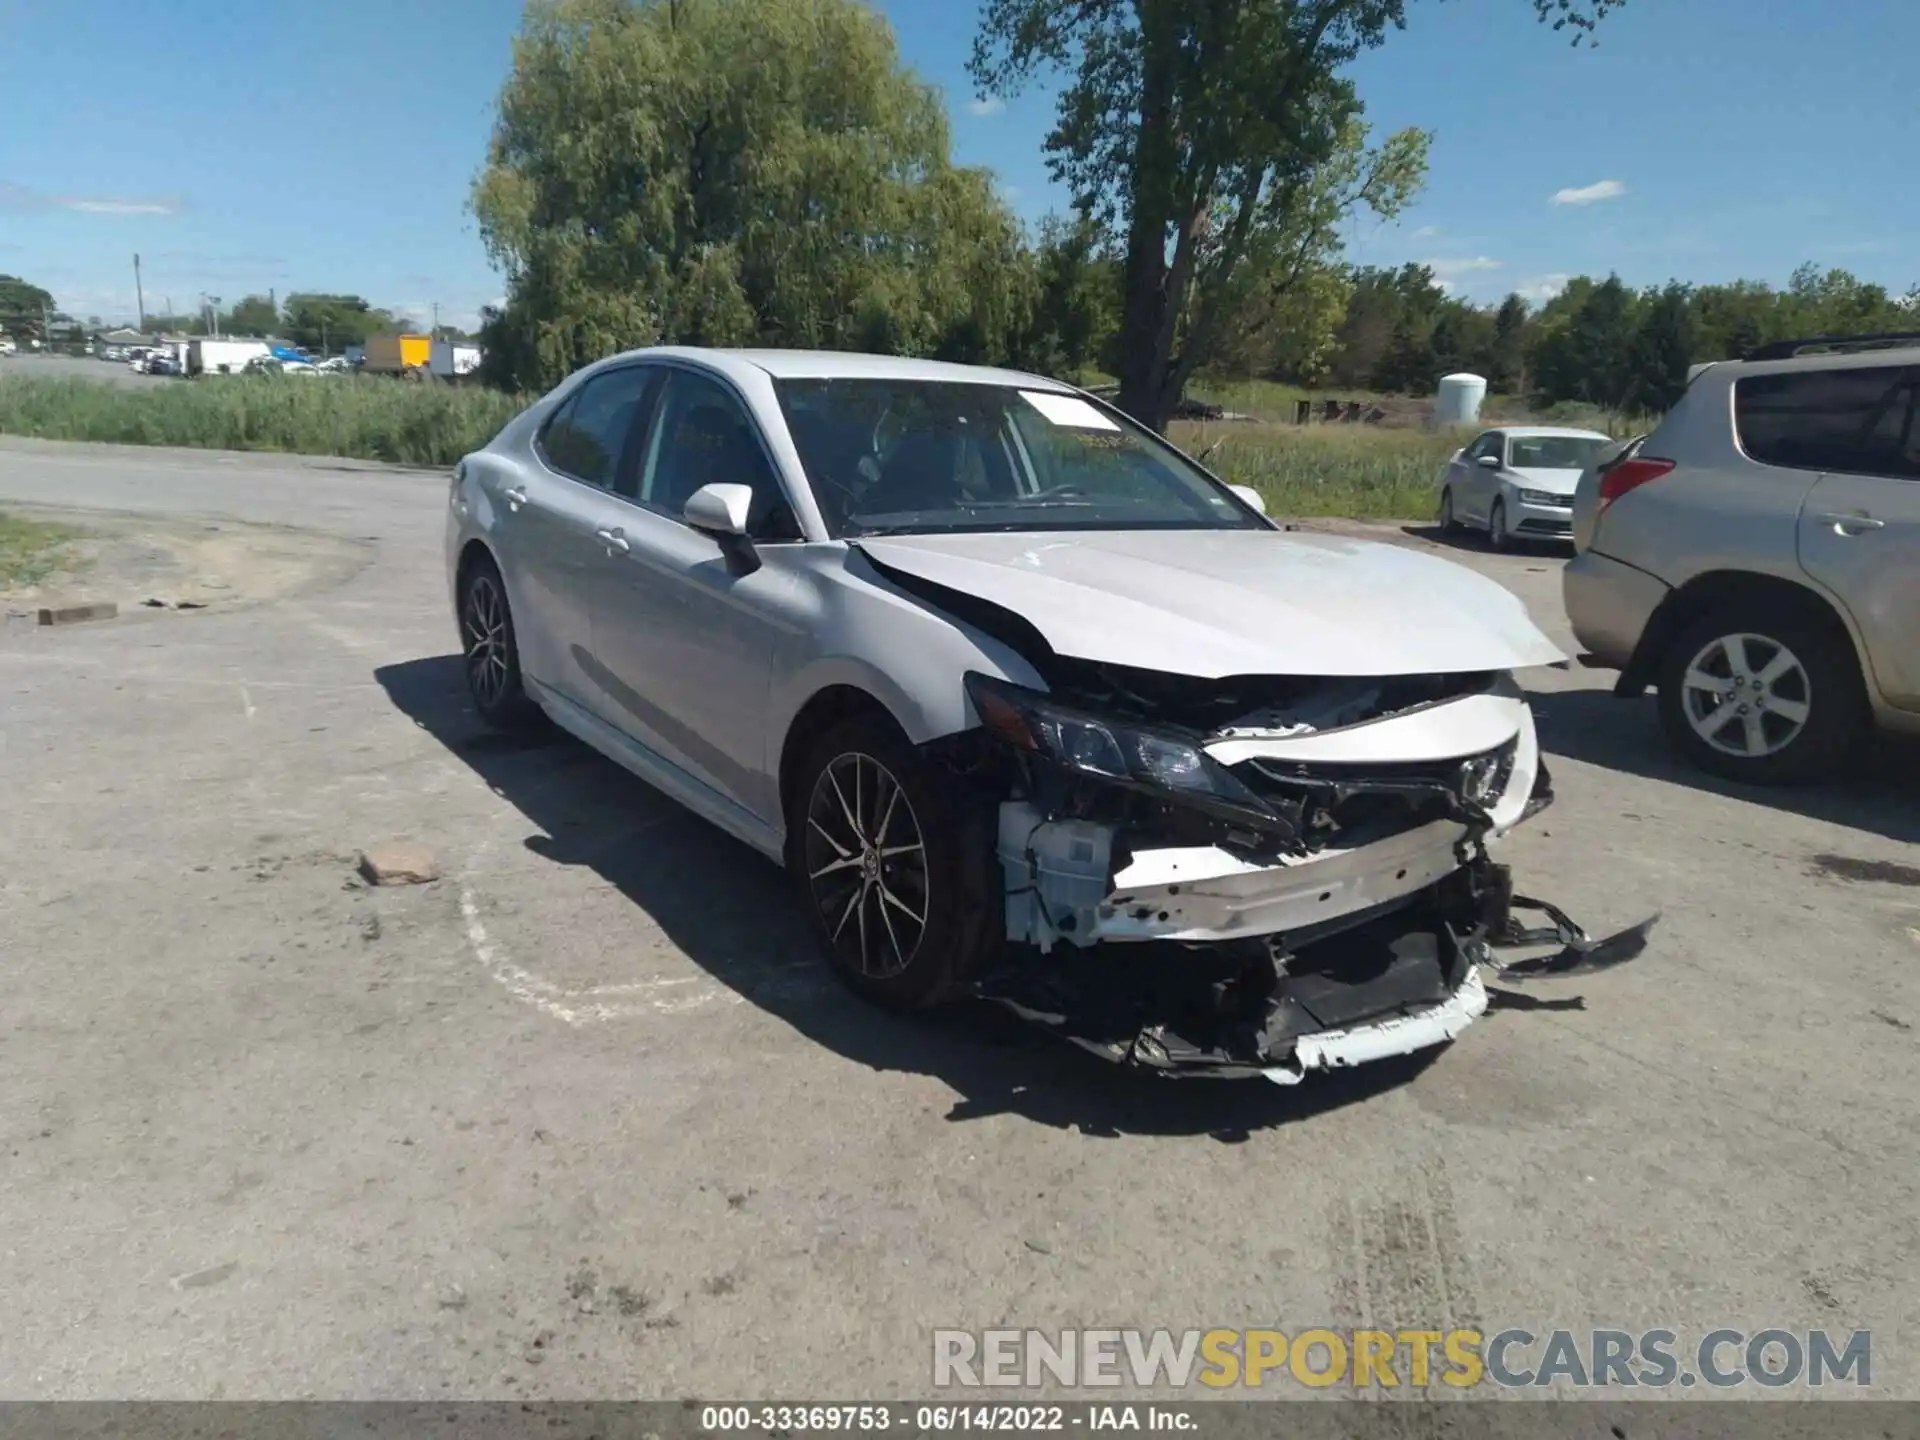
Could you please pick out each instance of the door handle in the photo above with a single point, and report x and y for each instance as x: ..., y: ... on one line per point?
x: 614, y: 540
x: 515, y: 498
x: 1852, y: 524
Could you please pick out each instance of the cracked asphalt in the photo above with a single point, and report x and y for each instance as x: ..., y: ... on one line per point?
x: 582, y: 1119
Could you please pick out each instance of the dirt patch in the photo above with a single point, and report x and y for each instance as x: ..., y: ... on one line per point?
x: 1846, y: 867
x: 183, y: 564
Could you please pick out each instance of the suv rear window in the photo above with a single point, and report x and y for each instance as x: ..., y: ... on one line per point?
x: 1858, y: 420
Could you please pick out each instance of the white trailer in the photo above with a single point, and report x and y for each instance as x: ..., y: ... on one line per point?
x: 451, y: 360
x: 224, y: 357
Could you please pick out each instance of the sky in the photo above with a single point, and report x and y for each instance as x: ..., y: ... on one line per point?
x: 241, y: 146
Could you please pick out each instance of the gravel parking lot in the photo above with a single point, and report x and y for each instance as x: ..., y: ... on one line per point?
x: 583, y: 1118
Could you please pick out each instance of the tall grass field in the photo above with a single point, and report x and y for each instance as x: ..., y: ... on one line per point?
x: 1362, y: 472
x: 365, y: 417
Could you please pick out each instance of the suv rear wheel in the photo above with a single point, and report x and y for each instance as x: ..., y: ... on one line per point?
x: 1769, y: 695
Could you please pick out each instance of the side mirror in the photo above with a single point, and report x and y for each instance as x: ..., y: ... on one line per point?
x: 719, y: 509
x: 1487, y: 462
x: 1252, y: 496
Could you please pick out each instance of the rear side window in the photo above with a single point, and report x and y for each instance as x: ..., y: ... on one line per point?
x: 1857, y: 421
x: 586, y: 435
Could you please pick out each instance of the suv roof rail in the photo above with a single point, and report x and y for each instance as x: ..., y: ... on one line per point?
x: 1787, y: 349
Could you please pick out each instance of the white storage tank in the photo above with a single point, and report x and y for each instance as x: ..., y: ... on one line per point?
x: 1457, y: 401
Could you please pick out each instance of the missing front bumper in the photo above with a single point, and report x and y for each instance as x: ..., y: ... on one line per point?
x: 1401, y: 978
x: 1395, y: 983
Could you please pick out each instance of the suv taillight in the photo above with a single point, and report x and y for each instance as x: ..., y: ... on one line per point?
x: 1630, y: 475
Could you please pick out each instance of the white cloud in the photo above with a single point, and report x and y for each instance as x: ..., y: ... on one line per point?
x: 1541, y: 288
x: 1589, y: 194
x: 1451, y: 270
x: 987, y: 105
x: 118, y: 207
x: 1426, y: 232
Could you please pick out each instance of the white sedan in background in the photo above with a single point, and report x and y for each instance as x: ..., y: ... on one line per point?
x: 1517, y: 482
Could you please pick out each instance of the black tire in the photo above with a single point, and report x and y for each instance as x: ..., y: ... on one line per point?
x: 929, y: 930
x: 1825, y: 681
x: 1448, y: 522
x: 490, y: 651
x: 1498, y: 536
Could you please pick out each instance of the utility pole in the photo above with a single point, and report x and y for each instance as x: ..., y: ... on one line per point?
x: 435, y: 332
x: 139, y: 295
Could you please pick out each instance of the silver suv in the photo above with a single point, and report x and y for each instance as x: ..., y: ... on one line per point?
x: 1756, y: 559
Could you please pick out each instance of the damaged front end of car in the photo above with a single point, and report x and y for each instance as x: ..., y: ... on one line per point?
x: 1298, y: 865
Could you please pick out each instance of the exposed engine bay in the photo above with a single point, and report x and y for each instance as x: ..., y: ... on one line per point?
x: 1289, y: 913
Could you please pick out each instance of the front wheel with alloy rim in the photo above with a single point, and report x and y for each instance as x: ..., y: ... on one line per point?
x: 1498, y: 536
x: 489, y: 652
x: 1769, y: 696
x: 892, y: 864
x: 1448, y: 522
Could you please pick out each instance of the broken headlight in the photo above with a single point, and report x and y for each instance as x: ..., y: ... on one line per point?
x: 1110, y: 749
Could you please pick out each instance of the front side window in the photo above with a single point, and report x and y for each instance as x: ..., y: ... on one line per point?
x: 1488, y: 446
x: 1857, y: 421
x: 891, y: 456
x: 702, y: 435
x: 586, y: 435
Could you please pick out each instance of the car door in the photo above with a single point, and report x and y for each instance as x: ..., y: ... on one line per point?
x: 549, y: 515
x: 684, y: 630
x: 1482, y: 483
x: 1859, y: 528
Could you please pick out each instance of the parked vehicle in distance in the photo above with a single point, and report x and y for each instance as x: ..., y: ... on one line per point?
x: 1516, y: 482
x: 404, y: 355
x: 1000, y: 676
x: 452, y: 359
x: 1756, y: 559
x: 7, y: 346
x: 224, y: 357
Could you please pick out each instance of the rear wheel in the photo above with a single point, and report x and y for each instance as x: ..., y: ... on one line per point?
x: 892, y: 865
x: 1768, y: 694
x: 490, y: 652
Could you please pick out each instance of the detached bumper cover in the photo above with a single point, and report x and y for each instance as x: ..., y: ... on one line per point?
x: 1338, y: 1049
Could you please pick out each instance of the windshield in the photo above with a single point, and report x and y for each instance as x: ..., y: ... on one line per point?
x: 890, y: 457
x: 1553, y: 452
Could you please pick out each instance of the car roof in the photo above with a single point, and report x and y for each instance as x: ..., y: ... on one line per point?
x: 1826, y: 360
x: 845, y: 365
x: 1525, y: 431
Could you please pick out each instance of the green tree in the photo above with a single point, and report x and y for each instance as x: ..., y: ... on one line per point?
x: 1507, y: 356
x: 254, y: 315
x: 1662, y: 349
x: 24, y: 308
x: 332, y: 322
x: 1197, y: 126
x: 1076, y: 287
x: 726, y: 171
x: 1586, y: 350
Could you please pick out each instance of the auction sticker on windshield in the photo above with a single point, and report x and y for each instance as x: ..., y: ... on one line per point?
x: 1069, y: 411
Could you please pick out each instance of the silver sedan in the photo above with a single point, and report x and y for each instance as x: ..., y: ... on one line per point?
x: 1005, y: 680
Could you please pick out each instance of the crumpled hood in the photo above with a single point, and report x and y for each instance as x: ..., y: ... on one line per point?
x: 1235, y: 602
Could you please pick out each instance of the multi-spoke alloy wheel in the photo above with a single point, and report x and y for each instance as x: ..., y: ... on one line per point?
x: 867, y: 867
x: 487, y: 644
x: 1746, y: 695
